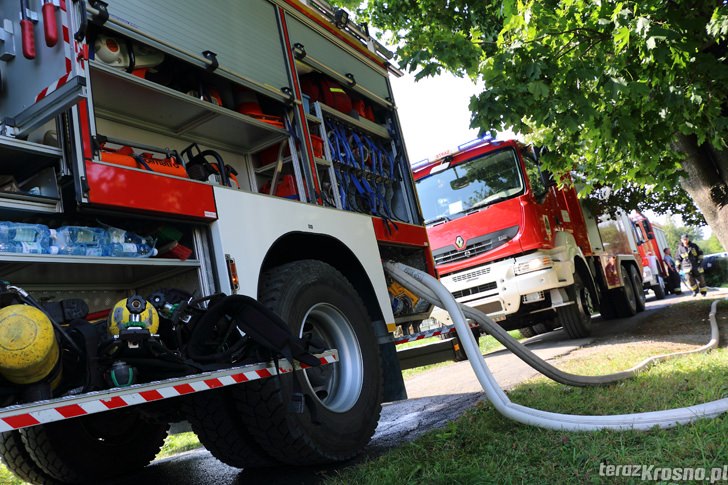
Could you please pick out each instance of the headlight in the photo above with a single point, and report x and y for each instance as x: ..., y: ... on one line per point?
x: 534, y: 264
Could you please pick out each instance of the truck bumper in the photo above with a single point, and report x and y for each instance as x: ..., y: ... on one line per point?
x: 497, y: 290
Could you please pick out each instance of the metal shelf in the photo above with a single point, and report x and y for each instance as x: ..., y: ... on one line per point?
x: 147, y: 105
x: 363, y: 124
x: 24, y: 158
x: 37, y: 271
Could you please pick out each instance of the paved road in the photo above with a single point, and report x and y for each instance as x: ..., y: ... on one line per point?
x: 435, y: 398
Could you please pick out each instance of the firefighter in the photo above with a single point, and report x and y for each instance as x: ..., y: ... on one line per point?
x: 690, y: 262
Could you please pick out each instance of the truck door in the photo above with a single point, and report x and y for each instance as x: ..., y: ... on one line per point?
x: 42, y: 61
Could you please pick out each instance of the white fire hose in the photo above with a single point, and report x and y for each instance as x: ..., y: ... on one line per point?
x: 432, y: 290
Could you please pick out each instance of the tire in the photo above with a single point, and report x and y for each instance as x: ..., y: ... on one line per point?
x: 540, y: 328
x: 221, y: 429
x: 659, y: 289
x: 460, y: 352
x: 576, y: 319
x: 95, y: 447
x: 343, y: 400
x: 527, y: 332
x: 18, y: 460
x: 625, y: 300
x: 639, y: 290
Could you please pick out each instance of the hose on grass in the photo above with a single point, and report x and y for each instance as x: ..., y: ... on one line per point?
x: 432, y: 290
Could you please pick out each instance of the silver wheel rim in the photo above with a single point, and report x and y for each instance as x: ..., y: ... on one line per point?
x: 336, y: 386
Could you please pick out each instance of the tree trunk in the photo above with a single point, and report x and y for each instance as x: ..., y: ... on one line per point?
x: 705, y: 182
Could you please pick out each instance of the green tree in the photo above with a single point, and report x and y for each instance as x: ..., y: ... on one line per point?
x: 673, y: 233
x: 711, y: 245
x: 631, y: 93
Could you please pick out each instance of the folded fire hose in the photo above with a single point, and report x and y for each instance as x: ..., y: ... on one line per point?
x: 432, y: 290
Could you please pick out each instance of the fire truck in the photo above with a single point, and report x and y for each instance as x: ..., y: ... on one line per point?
x: 651, y: 241
x: 509, y: 241
x: 195, y: 202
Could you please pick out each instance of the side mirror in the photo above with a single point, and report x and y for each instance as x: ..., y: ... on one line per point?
x: 547, y: 179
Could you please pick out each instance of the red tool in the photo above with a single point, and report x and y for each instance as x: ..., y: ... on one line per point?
x: 26, y: 31
x: 50, y: 25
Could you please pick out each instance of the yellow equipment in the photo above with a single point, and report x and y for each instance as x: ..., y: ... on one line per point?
x: 144, y: 317
x: 28, y: 347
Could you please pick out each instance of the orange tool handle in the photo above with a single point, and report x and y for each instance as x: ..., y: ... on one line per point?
x: 26, y: 31
x: 50, y: 26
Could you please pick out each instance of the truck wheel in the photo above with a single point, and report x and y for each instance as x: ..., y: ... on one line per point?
x: 18, y: 460
x: 639, y: 290
x: 460, y: 354
x: 659, y: 289
x: 342, y: 400
x: 95, y: 447
x: 527, y: 332
x: 576, y: 319
x: 222, y: 431
x: 540, y: 328
x: 625, y: 299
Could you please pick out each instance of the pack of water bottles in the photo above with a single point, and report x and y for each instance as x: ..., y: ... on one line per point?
x: 24, y: 238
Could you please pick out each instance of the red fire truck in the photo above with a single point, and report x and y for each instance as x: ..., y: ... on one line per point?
x: 657, y: 275
x: 189, y: 191
x: 508, y: 241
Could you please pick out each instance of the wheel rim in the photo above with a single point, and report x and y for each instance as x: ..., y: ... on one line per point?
x: 336, y: 386
x: 587, y: 302
x: 629, y: 291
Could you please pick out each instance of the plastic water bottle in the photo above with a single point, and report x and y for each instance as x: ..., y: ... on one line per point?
x: 81, y: 241
x: 18, y: 237
x: 126, y: 244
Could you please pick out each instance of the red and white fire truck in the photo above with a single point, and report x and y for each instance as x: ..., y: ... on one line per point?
x: 157, y: 156
x: 508, y: 241
x: 657, y: 275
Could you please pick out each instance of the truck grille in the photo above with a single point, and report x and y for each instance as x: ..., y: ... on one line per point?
x: 470, y: 251
x: 476, y: 246
x: 474, y: 290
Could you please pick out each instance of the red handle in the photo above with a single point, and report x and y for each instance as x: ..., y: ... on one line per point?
x: 50, y: 26
x: 26, y: 31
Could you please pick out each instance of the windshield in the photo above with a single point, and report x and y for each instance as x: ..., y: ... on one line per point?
x: 470, y: 185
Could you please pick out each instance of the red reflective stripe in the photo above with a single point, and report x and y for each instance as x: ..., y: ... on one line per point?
x: 71, y: 411
x: 213, y: 383
x: 21, y: 421
x: 264, y: 373
x: 184, y: 389
x: 114, y: 402
x: 152, y: 395
x: 239, y: 377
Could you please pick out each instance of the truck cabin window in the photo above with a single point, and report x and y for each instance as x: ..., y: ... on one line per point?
x: 470, y: 185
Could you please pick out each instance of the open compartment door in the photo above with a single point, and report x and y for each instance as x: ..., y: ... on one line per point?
x: 43, y: 59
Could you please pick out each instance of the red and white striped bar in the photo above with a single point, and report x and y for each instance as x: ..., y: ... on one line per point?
x: 42, y: 412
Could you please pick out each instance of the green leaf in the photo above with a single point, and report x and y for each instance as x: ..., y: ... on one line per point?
x: 621, y: 39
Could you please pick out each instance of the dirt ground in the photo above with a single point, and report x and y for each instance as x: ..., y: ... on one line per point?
x: 675, y: 324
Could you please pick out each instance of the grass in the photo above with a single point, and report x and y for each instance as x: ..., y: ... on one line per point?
x: 178, y: 443
x: 487, y: 344
x: 484, y: 447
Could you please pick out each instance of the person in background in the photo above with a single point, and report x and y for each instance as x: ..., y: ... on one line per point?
x: 669, y: 261
x: 690, y: 262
